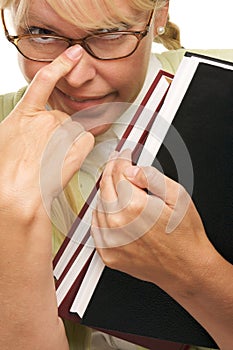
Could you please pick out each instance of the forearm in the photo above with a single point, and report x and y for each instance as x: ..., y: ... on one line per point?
x: 209, y: 298
x: 29, y: 316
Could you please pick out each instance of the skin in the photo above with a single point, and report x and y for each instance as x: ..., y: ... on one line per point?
x: 28, y: 302
x: 27, y: 293
x: 92, y: 81
x: 183, y: 263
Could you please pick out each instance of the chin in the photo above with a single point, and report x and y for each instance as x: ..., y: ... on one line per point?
x: 99, y: 119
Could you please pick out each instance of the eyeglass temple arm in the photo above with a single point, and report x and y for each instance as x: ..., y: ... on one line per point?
x: 149, y: 20
x: 4, y: 24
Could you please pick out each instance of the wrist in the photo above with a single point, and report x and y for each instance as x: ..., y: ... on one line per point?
x: 195, y: 275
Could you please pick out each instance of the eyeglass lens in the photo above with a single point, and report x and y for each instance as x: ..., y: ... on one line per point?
x: 112, y: 45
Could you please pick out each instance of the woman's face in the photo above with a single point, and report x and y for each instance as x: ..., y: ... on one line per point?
x: 91, y: 82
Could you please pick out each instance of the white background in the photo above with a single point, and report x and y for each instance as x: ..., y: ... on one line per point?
x: 204, y: 24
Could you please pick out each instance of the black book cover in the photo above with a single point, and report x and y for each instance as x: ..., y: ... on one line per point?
x: 204, y: 121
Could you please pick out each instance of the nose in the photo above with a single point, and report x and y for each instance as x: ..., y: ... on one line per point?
x: 84, y: 71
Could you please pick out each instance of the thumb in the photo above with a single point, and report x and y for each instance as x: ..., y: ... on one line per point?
x: 148, y: 178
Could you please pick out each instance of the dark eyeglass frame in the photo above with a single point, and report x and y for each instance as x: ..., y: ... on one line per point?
x: 14, y: 39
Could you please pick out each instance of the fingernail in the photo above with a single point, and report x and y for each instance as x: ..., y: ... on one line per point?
x: 131, y: 171
x: 74, y: 52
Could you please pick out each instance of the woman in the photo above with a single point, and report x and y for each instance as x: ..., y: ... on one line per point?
x: 38, y: 139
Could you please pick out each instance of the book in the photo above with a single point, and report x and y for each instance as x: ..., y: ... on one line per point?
x: 134, y: 135
x: 197, y: 113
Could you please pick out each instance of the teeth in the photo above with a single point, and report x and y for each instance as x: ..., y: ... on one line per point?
x: 82, y: 100
x: 75, y: 99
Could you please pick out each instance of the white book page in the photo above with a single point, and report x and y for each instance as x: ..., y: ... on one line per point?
x: 96, y: 267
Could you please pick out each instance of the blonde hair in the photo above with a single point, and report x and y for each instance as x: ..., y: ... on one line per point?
x: 76, y: 12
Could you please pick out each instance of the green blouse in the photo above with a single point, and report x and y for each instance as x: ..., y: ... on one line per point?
x: 78, y: 335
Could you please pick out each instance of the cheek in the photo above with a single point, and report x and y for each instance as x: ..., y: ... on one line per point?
x: 129, y: 75
x: 29, y: 68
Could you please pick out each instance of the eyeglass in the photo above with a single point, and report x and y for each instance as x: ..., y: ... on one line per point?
x: 103, y: 46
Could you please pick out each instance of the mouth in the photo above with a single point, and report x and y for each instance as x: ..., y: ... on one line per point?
x: 95, y: 113
x: 84, y: 99
x: 83, y: 102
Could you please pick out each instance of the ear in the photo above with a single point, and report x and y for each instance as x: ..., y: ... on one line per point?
x: 161, y: 16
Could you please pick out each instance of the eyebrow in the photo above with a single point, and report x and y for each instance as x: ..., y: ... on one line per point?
x: 40, y: 23
x: 57, y: 31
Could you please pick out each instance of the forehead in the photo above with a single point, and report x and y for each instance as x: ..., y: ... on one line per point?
x: 90, y: 14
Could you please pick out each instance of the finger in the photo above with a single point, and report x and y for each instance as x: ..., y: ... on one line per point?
x: 63, y: 156
x: 113, y: 181
x: 171, y: 192
x: 80, y: 148
x: 45, y: 80
x: 147, y: 177
x: 116, y: 229
x: 180, y: 208
x: 112, y: 174
x: 98, y: 226
x: 156, y: 182
x: 107, y: 188
x: 123, y: 161
x: 105, y: 235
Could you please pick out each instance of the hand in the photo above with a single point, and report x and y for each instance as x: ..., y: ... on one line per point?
x: 41, y: 150
x: 159, y: 237
x: 154, y: 237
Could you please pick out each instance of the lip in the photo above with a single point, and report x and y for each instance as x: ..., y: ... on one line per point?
x: 78, y: 103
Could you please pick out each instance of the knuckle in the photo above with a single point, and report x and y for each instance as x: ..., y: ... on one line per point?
x: 183, y: 194
x: 118, y: 166
x: 45, y: 74
x: 65, y: 62
x: 104, y: 182
x: 115, y: 221
x: 138, y: 202
x: 110, y: 258
x: 108, y: 261
x: 150, y: 174
x: 89, y: 138
x: 51, y: 120
x: 135, y: 207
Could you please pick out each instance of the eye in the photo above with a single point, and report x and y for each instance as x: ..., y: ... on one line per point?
x: 41, y: 35
x: 121, y: 27
x: 39, y: 31
x: 111, y: 34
